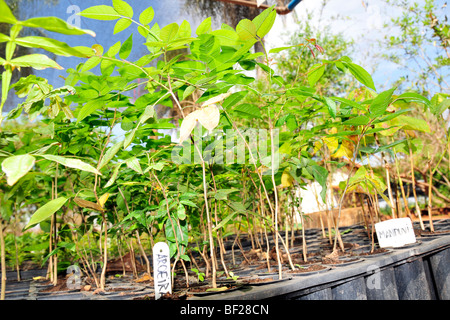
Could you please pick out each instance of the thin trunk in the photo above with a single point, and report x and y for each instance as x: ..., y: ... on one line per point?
x: 208, y: 221
x: 55, y: 231
x: 430, y: 204
x: 275, y: 192
x: 15, y: 244
x: 3, y: 262
x: 402, y: 189
x: 361, y: 201
x: 388, y: 179
x: 411, y: 159
x: 144, y: 255
x: 105, y: 254
x: 133, y: 261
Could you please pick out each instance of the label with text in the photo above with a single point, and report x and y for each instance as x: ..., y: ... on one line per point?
x: 395, y: 232
x: 161, y: 269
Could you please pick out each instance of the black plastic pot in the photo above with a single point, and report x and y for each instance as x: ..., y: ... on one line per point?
x: 414, y: 272
x: 417, y: 272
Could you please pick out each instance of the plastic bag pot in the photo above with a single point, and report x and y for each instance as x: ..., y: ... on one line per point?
x: 440, y: 268
x: 411, y: 281
x: 381, y: 285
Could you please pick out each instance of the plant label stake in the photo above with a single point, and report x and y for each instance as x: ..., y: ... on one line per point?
x: 395, y: 232
x: 161, y: 269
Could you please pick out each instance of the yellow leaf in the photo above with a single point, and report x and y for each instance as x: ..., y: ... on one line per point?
x: 103, y: 199
x: 88, y: 204
x: 286, y: 179
x: 317, y: 145
x: 338, y: 151
x: 144, y: 278
x: 217, y: 289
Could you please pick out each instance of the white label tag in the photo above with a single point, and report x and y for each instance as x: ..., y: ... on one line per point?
x: 395, y: 232
x: 161, y: 269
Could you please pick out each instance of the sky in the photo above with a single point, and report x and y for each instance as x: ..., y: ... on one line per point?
x: 354, y: 19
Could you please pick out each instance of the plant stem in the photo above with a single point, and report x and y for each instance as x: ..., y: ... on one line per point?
x: 411, y: 159
x: 275, y: 192
x: 2, y: 261
x: 208, y: 219
x: 430, y: 195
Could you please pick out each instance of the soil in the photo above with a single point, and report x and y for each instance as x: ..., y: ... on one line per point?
x: 376, y: 251
x: 420, y: 232
x: 310, y: 268
x: 211, y: 289
x: 167, y: 296
x: 61, y: 285
x: 333, y: 261
x: 248, y: 266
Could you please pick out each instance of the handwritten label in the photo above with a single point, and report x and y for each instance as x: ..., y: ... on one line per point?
x: 395, y: 232
x: 161, y: 269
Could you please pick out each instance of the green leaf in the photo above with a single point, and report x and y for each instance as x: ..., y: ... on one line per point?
x: 413, y: 97
x: 90, y: 107
x: 101, y: 12
x: 349, y: 103
x: 3, y: 38
x: 226, y: 37
x: 411, y: 123
x: 51, y: 45
x: 224, y: 221
x: 315, y: 73
x: 109, y: 154
x: 189, y: 90
x: 16, y: 167
x: 204, y: 27
x: 439, y: 103
x: 6, y: 80
x: 357, y: 121
x: 46, y: 211
x: 360, y: 74
x: 169, y: 32
x: 248, y: 110
x: 331, y: 107
x: 264, y: 22
x: 188, y: 203
x: 36, y: 61
x: 126, y: 47
x: 185, y: 30
x: 113, y: 177
x: 381, y: 102
x: 121, y: 25
x: 320, y: 174
x: 71, y: 163
x: 147, y: 16
x: 233, y: 99
x: 246, y: 29
x: 222, y: 194
x: 133, y: 163
x: 55, y: 24
x: 279, y: 49
x: 181, y: 212
x: 6, y: 16
x: 123, y: 8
